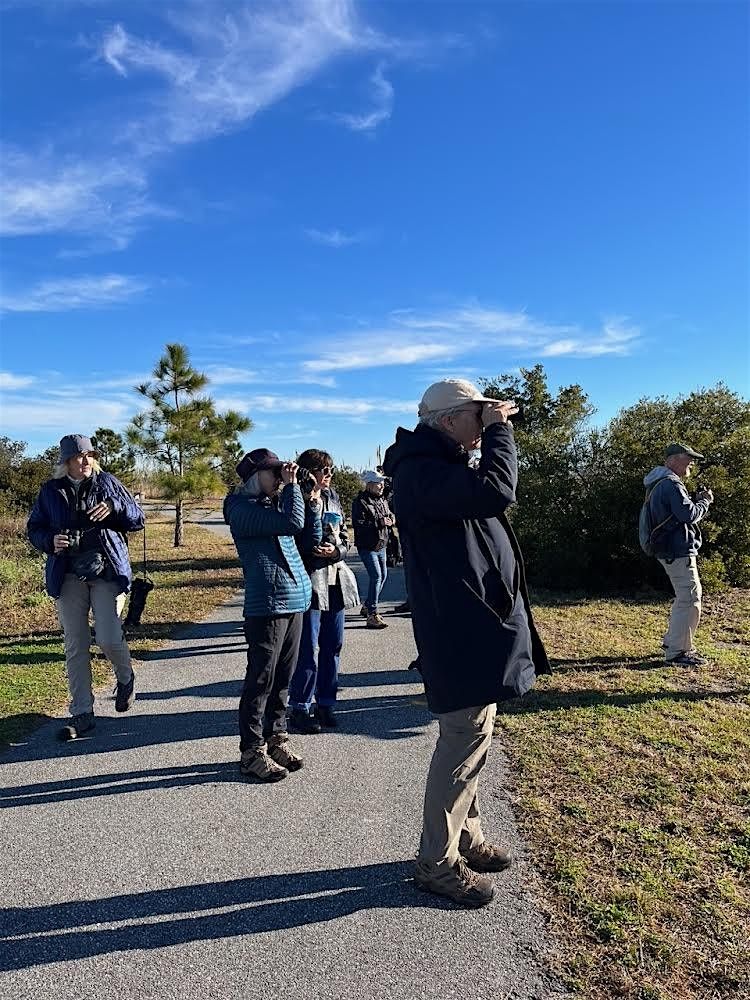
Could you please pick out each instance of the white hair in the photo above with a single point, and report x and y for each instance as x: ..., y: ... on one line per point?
x: 434, y: 418
x: 61, y: 469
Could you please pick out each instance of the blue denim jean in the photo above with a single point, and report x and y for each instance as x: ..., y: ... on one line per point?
x: 316, y: 677
x: 377, y: 571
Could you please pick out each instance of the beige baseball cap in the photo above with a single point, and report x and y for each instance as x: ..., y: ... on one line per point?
x: 449, y: 393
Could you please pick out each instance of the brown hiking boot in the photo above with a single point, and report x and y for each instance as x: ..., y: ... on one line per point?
x: 364, y: 612
x: 487, y: 858
x: 376, y: 621
x: 280, y: 751
x: 457, y: 882
x: 259, y: 765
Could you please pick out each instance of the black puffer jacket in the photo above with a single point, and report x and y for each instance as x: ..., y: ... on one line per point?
x: 470, y: 607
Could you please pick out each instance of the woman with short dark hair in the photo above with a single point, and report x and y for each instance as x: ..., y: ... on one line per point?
x: 315, y: 679
x: 79, y: 520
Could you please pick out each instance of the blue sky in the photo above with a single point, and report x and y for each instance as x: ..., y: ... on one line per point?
x: 333, y: 204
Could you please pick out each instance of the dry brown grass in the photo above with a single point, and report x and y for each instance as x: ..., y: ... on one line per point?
x: 633, y: 786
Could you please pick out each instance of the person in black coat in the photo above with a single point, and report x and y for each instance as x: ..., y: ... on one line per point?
x: 472, y: 621
x: 372, y: 519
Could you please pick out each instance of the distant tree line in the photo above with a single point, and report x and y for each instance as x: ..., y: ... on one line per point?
x: 580, y: 487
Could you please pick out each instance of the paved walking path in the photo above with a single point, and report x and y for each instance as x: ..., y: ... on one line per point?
x: 138, y: 864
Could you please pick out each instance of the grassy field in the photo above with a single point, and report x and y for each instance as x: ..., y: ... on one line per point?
x: 633, y: 787
x: 189, y: 582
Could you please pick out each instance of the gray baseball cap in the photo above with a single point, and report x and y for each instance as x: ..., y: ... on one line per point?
x: 682, y: 449
x: 73, y: 444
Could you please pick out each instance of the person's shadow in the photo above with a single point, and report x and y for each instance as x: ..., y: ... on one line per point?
x: 265, y: 903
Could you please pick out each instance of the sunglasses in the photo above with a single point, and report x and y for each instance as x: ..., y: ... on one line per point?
x: 327, y: 470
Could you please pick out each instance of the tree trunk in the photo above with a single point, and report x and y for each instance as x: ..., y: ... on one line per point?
x: 178, y: 524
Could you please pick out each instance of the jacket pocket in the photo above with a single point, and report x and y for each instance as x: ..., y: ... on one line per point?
x: 497, y: 598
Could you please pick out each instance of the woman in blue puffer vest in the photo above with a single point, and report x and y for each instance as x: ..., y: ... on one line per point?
x: 264, y: 515
x: 79, y: 519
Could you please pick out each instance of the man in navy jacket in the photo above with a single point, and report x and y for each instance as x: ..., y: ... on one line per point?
x: 676, y: 539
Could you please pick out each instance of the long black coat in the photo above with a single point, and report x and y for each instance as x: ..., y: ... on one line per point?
x: 470, y: 607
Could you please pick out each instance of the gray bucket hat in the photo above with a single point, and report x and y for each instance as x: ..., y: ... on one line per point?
x: 73, y: 444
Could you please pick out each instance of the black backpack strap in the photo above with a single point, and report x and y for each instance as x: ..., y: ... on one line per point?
x: 668, y: 518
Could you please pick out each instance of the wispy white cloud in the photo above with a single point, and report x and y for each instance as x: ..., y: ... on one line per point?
x: 65, y: 294
x: 414, y: 337
x: 44, y: 193
x: 616, y: 337
x: 381, y: 110
x: 234, y: 62
x: 324, y: 405
x: 379, y: 355
x: 53, y: 417
x: 228, y: 375
x: 9, y: 381
x: 335, y: 237
x: 220, y: 65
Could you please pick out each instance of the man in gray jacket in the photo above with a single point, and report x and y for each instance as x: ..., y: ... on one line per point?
x: 676, y: 539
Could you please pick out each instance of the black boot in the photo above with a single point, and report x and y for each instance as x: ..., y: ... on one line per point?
x: 302, y: 722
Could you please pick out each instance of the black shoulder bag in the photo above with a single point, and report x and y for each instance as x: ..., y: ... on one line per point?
x: 140, y: 589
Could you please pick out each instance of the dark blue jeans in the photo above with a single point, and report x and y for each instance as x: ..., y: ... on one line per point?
x: 377, y: 571
x: 317, y: 678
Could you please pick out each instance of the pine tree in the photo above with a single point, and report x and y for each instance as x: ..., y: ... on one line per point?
x: 182, y: 435
x: 114, y: 455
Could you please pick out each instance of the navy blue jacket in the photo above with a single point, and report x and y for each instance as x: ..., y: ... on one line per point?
x: 671, y: 508
x: 470, y: 607
x: 52, y: 514
x: 263, y: 529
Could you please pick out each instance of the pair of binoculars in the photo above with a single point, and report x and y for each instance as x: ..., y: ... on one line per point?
x: 74, y: 540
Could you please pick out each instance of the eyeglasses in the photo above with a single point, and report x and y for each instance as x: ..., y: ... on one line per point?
x: 327, y: 470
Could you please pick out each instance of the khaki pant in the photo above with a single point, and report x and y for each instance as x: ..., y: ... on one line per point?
x: 686, y: 608
x: 73, y: 605
x: 451, y: 810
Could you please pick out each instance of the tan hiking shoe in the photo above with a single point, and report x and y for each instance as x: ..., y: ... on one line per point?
x: 258, y: 764
x: 457, y: 882
x: 375, y: 621
x: 487, y: 858
x: 281, y: 752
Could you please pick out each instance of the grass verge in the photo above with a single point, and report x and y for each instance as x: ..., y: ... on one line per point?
x: 189, y: 581
x: 633, y: 786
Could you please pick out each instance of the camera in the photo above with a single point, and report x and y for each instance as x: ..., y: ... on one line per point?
x: 74, y: 540
x: 306, y: 480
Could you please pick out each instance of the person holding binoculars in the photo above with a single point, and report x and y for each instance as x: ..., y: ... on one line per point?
x: 79, y: 520
x: 314, y: 684
x: 265, y: 515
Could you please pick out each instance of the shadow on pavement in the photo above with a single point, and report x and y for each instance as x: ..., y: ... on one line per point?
x: 374, y: 678
x: 182, y: 630
x: 268, y: 903
x: 95, y: 786
x: 379, y: 718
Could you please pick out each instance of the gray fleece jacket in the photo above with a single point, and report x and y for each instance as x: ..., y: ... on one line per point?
x: 671, y: 507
